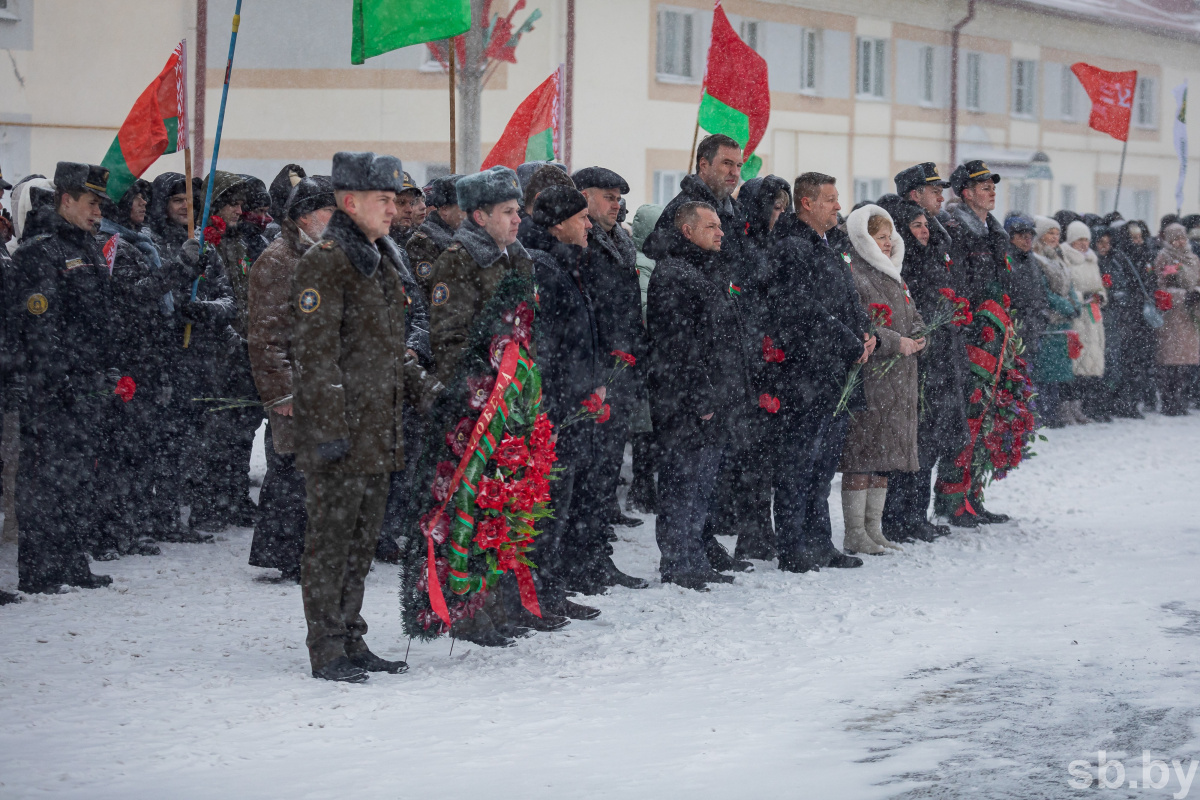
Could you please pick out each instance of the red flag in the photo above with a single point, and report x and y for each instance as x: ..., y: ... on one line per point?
x: 737, y: 98
x: 532, y: 133
x: 110, y: 251
x: 1112, y: 98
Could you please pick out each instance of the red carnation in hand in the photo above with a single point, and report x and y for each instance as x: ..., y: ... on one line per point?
x: 593, y: 403
x: 1107, y: 280
x: 490, y: 494
x: 881, y: 315
x: 604, y: 414
x: 771, y: 353
x: 214, y: 231
x: 1163, y: 300
x: 769, y: 403
x: 977, y: 396
x: 479, y: 390
x: 441, y: 480
x: 626, y: 357
x: 512, y: 453
x: 458, y: 438
x: 948, y: 294
x: 125, y: 388
x: 988, y: 334
x: 1074, y: 345
x: 491, y: 532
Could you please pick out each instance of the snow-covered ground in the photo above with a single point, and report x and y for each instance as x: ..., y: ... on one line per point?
x: 981, y: 665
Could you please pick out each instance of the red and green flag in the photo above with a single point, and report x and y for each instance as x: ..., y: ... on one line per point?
x: 533, y: 132
x: 157, y: 124
x: 737, y: 97
x: 381, y: 26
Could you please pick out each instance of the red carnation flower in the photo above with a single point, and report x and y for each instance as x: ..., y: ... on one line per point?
x: 214, y: 231
x: 604, y: 414
x: 769, y: 403
x: 540, y: 439
x: 881, y: 314
x: 1163, y: 300
x: 771, y: 353
x: 512, y: 453
x: 626, y: 357
x: 1107, y: 280
x: 988, y: 334
x: 458, y: 438
x: 479, y: 390
x: 441, y: 480
x: 125, y: 388
x: 1074, y: 345
x: 948, y: 294
x: 593, y: 403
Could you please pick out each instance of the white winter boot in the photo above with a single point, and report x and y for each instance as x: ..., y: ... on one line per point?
x: 874, y: 518
x: 854, y: 509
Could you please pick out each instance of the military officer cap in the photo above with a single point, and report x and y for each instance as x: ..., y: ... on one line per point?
x: 367, y: 172
x: 4, y: 185
x: 407, y: 184
x: 487, y: 188
x: 71, y: 176
x: 599, y: 178
x: 915, y: 177
x: 557, y: 204
x: 441, y: 192
x: 972, y: 172
x: 310, y: 194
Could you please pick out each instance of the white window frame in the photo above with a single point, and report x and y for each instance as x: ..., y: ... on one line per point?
x: 667, y: 180
x: 867, y: 189
x: 1145, y: 104
x: 752, y: 32
x: 1024, y: 88
x: 872, y: 74
x: 429, y: 63
x: 927, y: 76
x: 1025, y: 192
x: 689, y: 37
x: 973, y: 76
x: 8, y: 11
x: 810, y: 61
x: 1069, y: 97
x: 1070, y: 196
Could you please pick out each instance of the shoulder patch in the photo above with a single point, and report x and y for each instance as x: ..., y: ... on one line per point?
x: 441, y: 293
x: 424, y: 269
x: 37, y: 304
x: 310, y: 300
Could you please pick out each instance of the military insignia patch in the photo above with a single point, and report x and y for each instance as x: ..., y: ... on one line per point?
x: 74, y: 263
x: 441, y: 293
x: 424, y: 269
x: 37, y: 304
x: 310, y: 300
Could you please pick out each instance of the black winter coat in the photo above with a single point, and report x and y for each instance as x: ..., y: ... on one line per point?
x: 610, y: 277
x: 813, y: 315
x: 567, y: 342
x: 757, y: 199
x: 735, y: 266
x: 697, y: 350
x: 977, y: 253
x: 1027, y: 297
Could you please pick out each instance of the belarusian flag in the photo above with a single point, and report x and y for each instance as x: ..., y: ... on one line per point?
x: 381, y: 26
x: 532, y: 133
x: 157, y: 124
x: 737, y: 98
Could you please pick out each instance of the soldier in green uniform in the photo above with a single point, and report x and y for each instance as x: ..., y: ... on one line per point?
x: 437, y: 231
x: 484, y: 249
x: 350, y: 377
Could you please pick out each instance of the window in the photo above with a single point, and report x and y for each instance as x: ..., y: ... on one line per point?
x: 8, y: 10
x: 1145, y: 105
x: 666, y: 185
x: 867, y: 190
x: 810, y: 59
x: 750, y: 32
x: 1070, y: 197
x: 429, y: 62
x: 1070, y: 97
x: 1023, y: 82
x: 1135, y: 204
x: 676, y: 38
x: 925, y: 79
x: 974, y: 76
x: 872, y: 70
x: 1023, y: 197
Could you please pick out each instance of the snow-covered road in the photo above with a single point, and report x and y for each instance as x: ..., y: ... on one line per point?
x: 981, y: 665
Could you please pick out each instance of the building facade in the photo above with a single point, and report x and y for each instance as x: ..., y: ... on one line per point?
x: 859, y: 89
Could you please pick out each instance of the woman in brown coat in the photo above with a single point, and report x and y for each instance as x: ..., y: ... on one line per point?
x: 1178, y: 294
x: 883, y: 438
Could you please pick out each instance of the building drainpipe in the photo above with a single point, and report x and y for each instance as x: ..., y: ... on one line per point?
x: 954, y: 34
x: 569, y: 92
x: 200, y: 87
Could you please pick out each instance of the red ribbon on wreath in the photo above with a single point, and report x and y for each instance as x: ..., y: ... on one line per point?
x: 437, y: 600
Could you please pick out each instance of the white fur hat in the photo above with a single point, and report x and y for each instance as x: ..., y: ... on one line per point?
x: 1076, y: 231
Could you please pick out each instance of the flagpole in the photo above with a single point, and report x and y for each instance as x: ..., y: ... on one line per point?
x: 453, y: 144
x: 1121, y: 172
x: 212, y: 165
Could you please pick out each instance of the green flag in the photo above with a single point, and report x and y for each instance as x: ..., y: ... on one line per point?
x: 381, y: 26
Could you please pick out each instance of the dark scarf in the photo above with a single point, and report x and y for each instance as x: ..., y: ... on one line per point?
x: 480, y: 245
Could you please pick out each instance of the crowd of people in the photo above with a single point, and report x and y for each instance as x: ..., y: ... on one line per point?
x: 764, y: 342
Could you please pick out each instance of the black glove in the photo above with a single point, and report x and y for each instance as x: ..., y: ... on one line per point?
x: 336, y: 450
x: 192, y: 312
